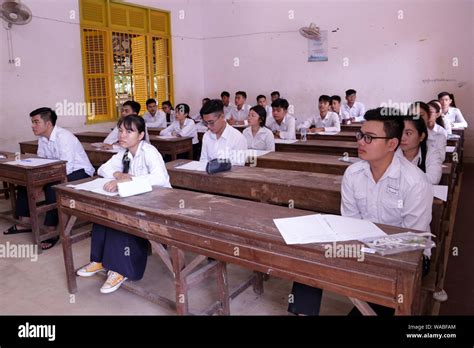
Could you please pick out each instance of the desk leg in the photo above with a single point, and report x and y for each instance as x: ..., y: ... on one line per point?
x: 174, y: 156
x: 409, y: 293
x: 223, y: 286
x: 65, y: 228
x: 33, y: 214
x: 190, y: 154
x: 181, y: 288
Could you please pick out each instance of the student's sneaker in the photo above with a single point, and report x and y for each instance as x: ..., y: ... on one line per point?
x: 440, y: 296
x: 112, y: 283
x: 90, y: 269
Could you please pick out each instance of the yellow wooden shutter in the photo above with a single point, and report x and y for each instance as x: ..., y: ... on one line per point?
x: 159, y: 23
x: 93, y: 12
x: 139, y: 70
x: 161, y: 69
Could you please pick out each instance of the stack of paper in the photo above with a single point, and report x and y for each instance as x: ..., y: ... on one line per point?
x: 320, y: 228
x: 194, y: 165
x: 96, y: 186
x: 32, y: 162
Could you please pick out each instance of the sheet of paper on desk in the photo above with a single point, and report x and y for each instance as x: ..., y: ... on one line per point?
x: 441, y: 192
x: 453, y: 136
x: 194, y: 165
x: 166, y: 137
x: 450, y: 148
x: 32, y: 162
x: 96, y: 186
x: 320, y: 228
x: 285, y: 141
x: 327, y: 133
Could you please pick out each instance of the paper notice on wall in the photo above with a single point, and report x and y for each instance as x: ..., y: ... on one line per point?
x: 318, y: 49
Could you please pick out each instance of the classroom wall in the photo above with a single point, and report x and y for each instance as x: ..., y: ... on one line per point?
x: 51, y: 65
x: 390, y: 59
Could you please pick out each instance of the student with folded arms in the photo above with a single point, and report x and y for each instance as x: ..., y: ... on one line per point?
x: 238, y: 115
x: 54, y: 143
x: 183, y: 126
x: 451, y: 114
x: 221, y: 141
x: 257, y: 135
x: 125, y: 255
x: 382, y: 188
x: 352, y: 110
x: 326, y: 121
x: 283, y: 125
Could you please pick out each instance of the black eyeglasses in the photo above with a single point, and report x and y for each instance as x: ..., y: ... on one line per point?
x: 211, y: 123
x: 368, y: 138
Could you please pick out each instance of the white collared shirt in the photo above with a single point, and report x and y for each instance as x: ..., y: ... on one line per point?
x: 357, y: 110
x: 438, y: 139
x: 455, y: 118
x: 231, y: 145
x: 63, y: 145
x: 330, y: 122
x: 156, y: 121
x: 263, y: 140
x: 287, y: 128
x: 189, y: 129
x: 402, y: 197
x: 113, y: 136
x: 239, y: 115
x: 228, y: 109
x: 147, y: 163
x: 433, y: 163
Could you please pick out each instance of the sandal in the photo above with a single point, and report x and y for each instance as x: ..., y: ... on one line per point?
x: 49, y: 243
x: 14, y: 230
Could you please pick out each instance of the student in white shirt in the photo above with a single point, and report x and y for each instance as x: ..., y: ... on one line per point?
x: 221, y: 141
x: 258, y: 136
x: 415, y: 149
x: 336, y: 106
x: 197, y: 117
x: 54, y: 143
x: 326, y: 121
x: 153, y: 117
x: 382, y: 188
x: 169, y: 111
x: 274, y: 96
x: 352, y: 110
x: 130, y: 107
x: 239, y: 114
x: 451, y: 114
x: 137, y: 159
x: 437, y: 135
x: 283, y: 125
x: 262, y: 101
x: 228, y: 106
x: 183, y: 126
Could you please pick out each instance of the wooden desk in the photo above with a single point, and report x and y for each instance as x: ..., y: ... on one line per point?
x: 173, y: 146
x: 154, y: 131
x: 33, y: 178
x: 328, y: 147
x: 96, y: 156
x: 214, y: 226
x: 354, y: 126
x: 91, y: 137
x: 309, y: 191
x: 341, y: 136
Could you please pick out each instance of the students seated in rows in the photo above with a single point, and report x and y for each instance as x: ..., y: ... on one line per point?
x: 283, y: 125
x: 197, y: 116
x: 326, y: 121
x: 54, y: 143
x: 136, y: 159
x: 169, y: 111
x: 450, y: 113
x: 352, y: 110
x: 239, y: 114
x: 228, y: 106
x: 336, y: 106
x: 262, y: 101
x: 382, y: 188
x: 258, y: 136
x: 183, y: 126
x: 130, y: 107
x: 275, y: 95
x: 437, y: 135
x: 414, y: 147
x: 153, y: 117
x: 221, y: 141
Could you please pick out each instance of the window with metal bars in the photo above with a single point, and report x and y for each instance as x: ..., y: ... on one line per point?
x: 126, y: 56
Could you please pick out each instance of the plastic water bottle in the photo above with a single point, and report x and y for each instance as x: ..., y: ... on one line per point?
x: 303, y: 134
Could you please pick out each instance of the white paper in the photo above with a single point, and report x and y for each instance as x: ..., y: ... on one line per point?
x: 194, y: 165
x: 165, y: 137
x: 96, y: 186
x: 32, y: 162
x: 441, y: 192
x: 255, y: 153
x: 320, y: 228
x: 97, y: 145
x: 285, y: 141
x: 327, y: 133
x: 450, y: 148
x: 134, y: 187
x: 349, y: 159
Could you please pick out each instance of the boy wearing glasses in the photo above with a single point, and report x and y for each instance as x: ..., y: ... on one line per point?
x: 221, y: 140
x: 382, y: 188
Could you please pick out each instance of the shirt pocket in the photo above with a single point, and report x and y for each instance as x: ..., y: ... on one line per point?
x: 361, y: 203
x: 391, y: 209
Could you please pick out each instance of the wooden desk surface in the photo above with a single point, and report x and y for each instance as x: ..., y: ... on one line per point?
x: 309, y: 191
x: 214, y: 226
x: 91, y: 137
x: 329, y: 147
